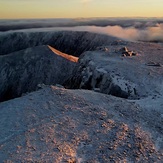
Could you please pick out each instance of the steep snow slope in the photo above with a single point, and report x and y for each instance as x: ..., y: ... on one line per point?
x: 22, y: 71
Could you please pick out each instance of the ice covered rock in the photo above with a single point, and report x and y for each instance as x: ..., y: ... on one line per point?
x: 110, y: 73
x: 96, y: 71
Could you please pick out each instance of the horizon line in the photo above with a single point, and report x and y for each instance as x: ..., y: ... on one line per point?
x: 131, y: 17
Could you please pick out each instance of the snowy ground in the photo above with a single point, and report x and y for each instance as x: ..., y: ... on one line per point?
x: 59, y: 125
x: 135, y: 77
x: 55, y: 124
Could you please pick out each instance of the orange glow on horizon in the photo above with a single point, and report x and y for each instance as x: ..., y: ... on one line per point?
x: 16, y: 9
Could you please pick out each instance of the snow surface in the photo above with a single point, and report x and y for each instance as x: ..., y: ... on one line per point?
x: 133, y: 75
x: 59, y: 125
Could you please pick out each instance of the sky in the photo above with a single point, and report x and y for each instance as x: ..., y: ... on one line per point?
x: 19, y: 9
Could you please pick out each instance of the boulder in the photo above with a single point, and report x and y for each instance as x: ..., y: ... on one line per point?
x: 127, y: 53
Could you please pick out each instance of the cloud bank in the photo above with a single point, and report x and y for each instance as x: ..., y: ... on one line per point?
x: 149, y: 34
x: 128, y: 29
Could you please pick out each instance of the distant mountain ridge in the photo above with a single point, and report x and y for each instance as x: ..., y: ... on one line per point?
x: 69, y: 42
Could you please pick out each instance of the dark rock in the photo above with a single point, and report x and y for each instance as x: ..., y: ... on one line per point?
x: 127, y: 53
x: 124, y: 49
x: 154, y: 64
x: 70, y: 42
x: 22, y: 71
x: 134, y: 54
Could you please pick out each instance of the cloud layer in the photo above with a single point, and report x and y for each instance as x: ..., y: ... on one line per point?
x: 153, y: 34
x: 128, y: 29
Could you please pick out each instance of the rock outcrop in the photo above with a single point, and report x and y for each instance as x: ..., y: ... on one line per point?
x: 107, y: 71
x: 127, y: 53
x: 22, y: 71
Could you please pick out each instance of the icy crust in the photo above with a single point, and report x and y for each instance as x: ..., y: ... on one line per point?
x: 59, y: 125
